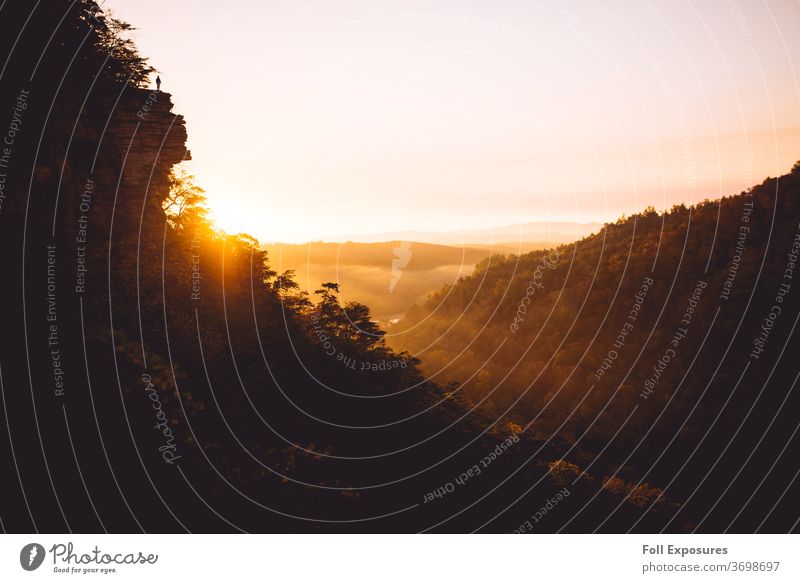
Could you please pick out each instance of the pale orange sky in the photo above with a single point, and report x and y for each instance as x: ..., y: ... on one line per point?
x: 309, y: 119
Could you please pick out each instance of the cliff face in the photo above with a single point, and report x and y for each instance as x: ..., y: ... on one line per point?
x: 82, y: 191
x: 109, y: 153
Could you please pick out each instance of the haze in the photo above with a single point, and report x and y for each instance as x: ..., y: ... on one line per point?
x: 312, y: 119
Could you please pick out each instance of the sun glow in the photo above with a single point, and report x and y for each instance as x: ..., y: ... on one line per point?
x: 231, y: 220
x: 521, y: 115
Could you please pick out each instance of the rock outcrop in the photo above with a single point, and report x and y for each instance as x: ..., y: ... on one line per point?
x: 109, y: 153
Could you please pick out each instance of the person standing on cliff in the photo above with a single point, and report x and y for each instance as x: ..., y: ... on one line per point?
x: 158, y: 83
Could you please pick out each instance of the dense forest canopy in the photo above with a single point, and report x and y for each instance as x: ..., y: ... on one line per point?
x: 658, y: 312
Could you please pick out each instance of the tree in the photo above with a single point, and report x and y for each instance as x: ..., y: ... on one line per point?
x: 290, y: 293
x: 185, y: 203
x: 329, y: 311
x: 351, y: 323
x: 121, y: 60
x: 361, y: 330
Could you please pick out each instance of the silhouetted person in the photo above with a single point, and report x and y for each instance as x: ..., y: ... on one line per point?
x: 158, y: 83
x: 93, y: 9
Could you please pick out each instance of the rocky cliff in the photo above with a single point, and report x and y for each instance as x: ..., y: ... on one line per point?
x: 82, y: 184
x: 108, y: 153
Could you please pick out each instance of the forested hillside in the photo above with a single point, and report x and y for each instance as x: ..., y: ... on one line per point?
x: 663, y: 342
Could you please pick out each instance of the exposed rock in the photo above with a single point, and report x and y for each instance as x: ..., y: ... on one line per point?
x: 124, y: 144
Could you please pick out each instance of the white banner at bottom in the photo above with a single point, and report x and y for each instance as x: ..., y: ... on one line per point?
x: 401, y: 558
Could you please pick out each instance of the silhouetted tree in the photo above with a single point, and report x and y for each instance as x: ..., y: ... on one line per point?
x: 185, y: 203
x: 124, y: 64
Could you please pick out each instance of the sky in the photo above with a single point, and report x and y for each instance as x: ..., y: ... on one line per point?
x: 309, y: 120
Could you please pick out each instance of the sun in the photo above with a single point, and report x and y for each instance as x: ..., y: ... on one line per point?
x: 230, y: 219
x: 239, y: 212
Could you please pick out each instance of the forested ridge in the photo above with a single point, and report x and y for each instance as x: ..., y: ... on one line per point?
x: 665, y: 337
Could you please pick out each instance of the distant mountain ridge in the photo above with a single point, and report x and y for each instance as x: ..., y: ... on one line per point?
x: 535, y: 232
